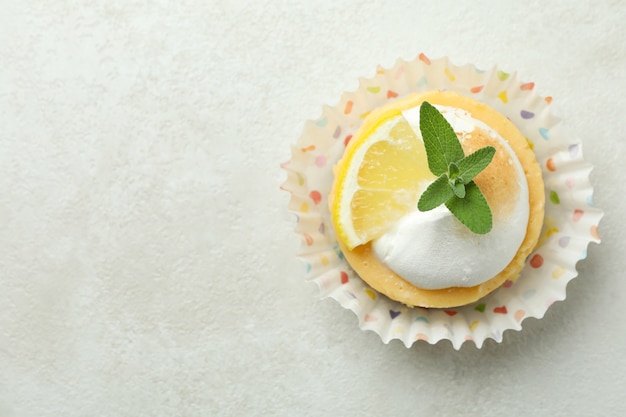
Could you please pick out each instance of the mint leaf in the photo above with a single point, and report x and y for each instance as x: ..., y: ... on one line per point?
x: 472, y: 210
x: 453, y: 170
x: 454, y: 186
x: 442, y: 145
x: 437, y: 193
x: 473, y: 164
x: 458, y: 187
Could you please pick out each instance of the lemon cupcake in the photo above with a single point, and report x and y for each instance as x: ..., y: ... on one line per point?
x: 558, y: 195
x: 432, y: 260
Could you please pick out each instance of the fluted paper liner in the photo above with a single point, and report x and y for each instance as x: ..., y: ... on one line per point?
x: 571, y: 220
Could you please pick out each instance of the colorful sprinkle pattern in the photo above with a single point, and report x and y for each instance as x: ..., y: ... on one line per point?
x: 571, y: 219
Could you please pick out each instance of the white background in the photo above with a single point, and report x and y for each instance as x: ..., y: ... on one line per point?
x: 147, y: 259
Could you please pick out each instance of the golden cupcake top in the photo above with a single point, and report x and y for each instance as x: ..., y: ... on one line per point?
x: 430, y: 258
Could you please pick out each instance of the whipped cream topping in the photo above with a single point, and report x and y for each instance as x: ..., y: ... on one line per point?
x: 433, y: 250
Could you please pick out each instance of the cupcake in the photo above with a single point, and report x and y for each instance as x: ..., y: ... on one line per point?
x: 536, y: 186
x: 430, y: 258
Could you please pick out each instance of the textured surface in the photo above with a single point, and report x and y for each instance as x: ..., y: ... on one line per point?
x: 146, y: 257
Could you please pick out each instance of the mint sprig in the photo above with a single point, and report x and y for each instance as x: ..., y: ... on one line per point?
x: 454, y: 186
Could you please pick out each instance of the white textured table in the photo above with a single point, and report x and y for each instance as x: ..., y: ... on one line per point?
x: 146, y: 256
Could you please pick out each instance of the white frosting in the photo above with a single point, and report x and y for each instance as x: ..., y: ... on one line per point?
x: 433, y: 250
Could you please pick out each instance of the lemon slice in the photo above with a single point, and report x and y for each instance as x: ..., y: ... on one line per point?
x: 379, y: 179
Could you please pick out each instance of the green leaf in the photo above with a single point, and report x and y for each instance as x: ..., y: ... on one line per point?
x: 458, y: 187
x: 442, y: 145
x: 473, y: 210
x: 453, y: 170
x: 437, y: 193
x: 473, y: 164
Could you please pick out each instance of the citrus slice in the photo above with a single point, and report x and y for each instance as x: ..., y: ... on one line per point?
x: 379, y: 179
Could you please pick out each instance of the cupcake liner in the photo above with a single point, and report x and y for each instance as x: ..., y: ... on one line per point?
x: 571, y: 220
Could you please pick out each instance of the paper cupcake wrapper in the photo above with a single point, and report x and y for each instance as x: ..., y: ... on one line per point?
x: 571, y: 220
